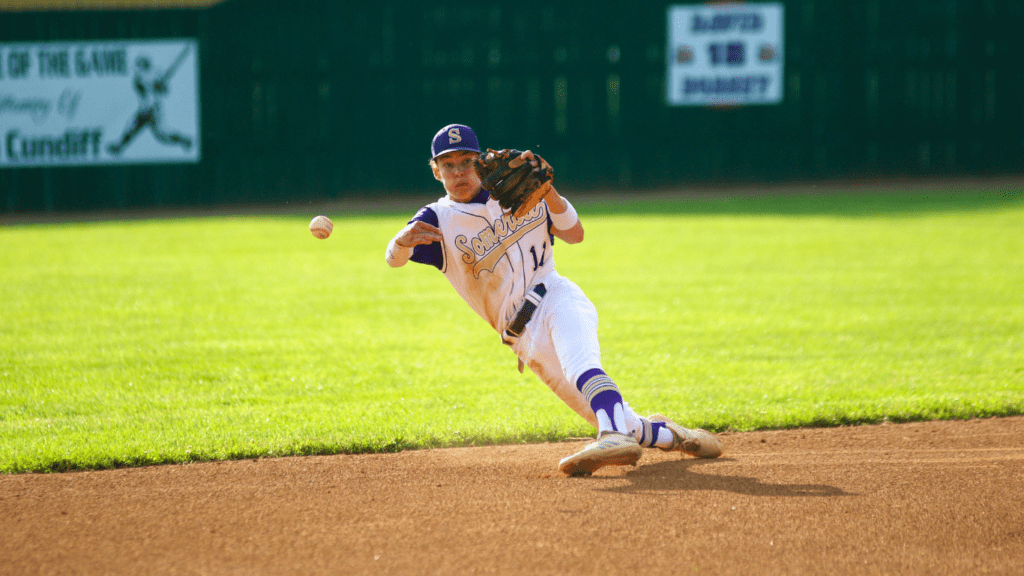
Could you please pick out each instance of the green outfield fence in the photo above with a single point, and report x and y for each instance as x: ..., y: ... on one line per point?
x: 317, y: 100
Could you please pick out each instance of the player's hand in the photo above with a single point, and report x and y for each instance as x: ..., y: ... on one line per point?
x: 418, y: 233
x: 538, y: 163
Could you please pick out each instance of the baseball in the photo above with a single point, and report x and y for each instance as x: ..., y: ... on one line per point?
x: 321, y: 227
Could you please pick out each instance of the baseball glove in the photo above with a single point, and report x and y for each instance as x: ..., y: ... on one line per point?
x: 517, y: 189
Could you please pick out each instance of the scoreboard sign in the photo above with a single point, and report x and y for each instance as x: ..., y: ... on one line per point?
x: 725, y: 54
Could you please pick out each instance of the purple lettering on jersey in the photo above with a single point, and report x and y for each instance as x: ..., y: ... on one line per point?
x: 432, y: 254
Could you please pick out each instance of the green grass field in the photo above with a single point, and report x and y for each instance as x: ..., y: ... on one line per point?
x: 154, y: 341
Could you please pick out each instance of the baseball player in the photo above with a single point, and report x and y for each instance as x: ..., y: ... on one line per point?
x: 150, y: 86
x: 503, y: 266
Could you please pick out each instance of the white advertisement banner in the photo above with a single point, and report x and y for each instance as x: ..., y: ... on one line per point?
x: 93, y: 103
x: 725, y: 54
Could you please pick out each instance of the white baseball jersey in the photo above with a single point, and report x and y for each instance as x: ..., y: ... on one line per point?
x: 491, y: 258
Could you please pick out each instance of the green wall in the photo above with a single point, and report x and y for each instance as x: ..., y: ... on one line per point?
x: 311, y: 100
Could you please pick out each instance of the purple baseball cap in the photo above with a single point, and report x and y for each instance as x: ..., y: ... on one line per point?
x: 454, y: 137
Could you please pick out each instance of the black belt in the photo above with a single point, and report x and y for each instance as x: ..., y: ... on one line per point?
x: 518, y: 324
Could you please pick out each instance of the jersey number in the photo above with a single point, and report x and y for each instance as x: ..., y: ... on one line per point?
x: 543, y: 251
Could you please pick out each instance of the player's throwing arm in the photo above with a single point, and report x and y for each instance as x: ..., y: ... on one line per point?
x: 401, y: 246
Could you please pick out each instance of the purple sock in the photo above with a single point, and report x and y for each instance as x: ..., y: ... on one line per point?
x: 649, y: 432
x: 603, y: 396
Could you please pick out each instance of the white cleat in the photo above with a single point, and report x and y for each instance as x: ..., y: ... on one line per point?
x: 696, y: 442
x: 610, y: 449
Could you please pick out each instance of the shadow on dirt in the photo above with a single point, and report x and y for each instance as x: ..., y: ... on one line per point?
x: 681, y: 475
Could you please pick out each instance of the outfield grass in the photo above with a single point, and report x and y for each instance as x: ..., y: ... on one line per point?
x: 154, y: 341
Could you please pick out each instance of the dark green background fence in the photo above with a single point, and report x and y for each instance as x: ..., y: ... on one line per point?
x: 313, y: 100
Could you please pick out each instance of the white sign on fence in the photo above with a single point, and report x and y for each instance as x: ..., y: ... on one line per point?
x: 92, y: 103
x: 725, y: 54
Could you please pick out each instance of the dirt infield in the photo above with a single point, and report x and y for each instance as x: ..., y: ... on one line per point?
x: 920, y: 498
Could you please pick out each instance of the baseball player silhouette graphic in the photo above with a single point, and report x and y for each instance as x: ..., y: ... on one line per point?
x: 150, y: 86
x: 503, y: 267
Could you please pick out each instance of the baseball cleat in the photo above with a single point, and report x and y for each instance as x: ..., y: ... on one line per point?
x: 696, y: 442
x: 610, y: 449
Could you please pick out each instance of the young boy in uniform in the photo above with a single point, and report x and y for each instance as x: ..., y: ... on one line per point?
x: 504, y: 268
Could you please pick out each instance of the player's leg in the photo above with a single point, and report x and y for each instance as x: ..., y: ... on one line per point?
x: 547, y: 368
x: 573, y: 327
x: 140, y: 120
x: 165, y: 137
x: 573, y: 323
x: 612, y: 447
x: 654, y: 432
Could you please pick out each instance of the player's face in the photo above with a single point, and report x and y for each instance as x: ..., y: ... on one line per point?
x: 455, y: 170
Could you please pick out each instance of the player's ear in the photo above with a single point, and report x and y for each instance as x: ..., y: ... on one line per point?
x: 437, y: 173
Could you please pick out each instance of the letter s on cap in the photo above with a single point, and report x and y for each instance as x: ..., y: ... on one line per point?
x: 454, y: 137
